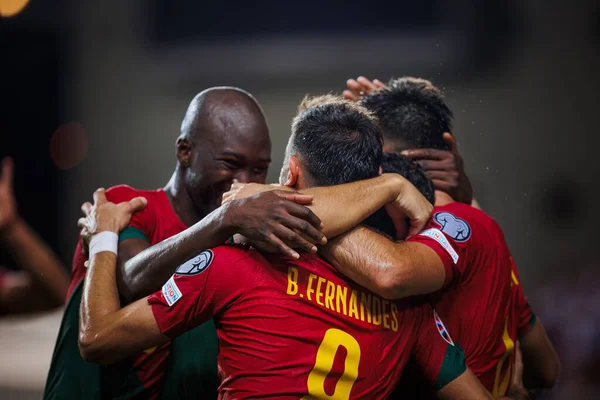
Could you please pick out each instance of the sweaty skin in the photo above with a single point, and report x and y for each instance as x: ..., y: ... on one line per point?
x: 224, y: 138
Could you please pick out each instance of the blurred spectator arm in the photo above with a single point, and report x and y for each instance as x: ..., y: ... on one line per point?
x: 44, y: 283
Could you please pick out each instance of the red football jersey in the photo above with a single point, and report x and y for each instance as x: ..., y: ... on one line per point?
x: 155, y: 223
x: 292, y: 329
x: 482, y: 303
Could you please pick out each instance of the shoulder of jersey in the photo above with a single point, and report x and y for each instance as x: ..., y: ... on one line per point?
x: 126, y: 192
x: 236, y: 250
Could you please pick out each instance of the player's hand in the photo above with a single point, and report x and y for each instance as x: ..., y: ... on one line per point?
x: 273, y: 221
x: 107, y: 216
x: 357, y: 88
x: 8, y: 205
x: 242, y: 190
x: 517, y: 390
x: 445, y: 169
x: 411, y: 204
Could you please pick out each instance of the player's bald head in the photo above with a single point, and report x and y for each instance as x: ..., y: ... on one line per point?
x: 224, y: 137
x: 223, y: 113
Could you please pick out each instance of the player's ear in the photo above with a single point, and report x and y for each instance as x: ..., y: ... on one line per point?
x: 293, y: 172
x: 184, y: 151
x: 380, y: 170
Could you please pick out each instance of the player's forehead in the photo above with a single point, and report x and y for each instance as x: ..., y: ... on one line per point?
x: 245, y: 155
x: 238, y: 139
x: 228, y: 126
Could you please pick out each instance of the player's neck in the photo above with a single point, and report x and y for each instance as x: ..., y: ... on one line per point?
x: 181, y: 202
x: 442, y: 198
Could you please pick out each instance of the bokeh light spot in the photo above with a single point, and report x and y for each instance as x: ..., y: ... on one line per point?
x: 8, y: 8
x: 68, y: 145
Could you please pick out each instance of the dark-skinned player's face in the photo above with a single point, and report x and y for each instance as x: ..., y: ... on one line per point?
x: 230, y: 149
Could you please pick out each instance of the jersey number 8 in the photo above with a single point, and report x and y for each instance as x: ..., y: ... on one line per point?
x: 333, y: 339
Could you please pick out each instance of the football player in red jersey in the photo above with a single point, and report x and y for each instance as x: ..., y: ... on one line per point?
x: 470, y: 269
x: 224, y: 138
x: 318, y: 335
x: 445, y: 168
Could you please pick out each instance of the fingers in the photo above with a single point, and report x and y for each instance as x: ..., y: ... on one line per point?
x: 273, y: 240
x: 137, y: 204
x: 444, y: 186
x: 7, y: 173
x: 86, y: 208
x: 367, y: 85
x: 304, y: 213
x: 450, y: 141
x: 349, y: 95
x: 429, y: 154
x: 417, y: 225
x: 99, y: 196
x: 450, y: 177
x: 81, y: 223
x: 299, y: 198
x: 517, y: 379
x: 228, y: 196
x: 354, y: 91
x: 379, y: 85
x: 236, y: 185
x: 434, y: 165
x: 294, y: 240
x: 354, y: 86
x: 314, y: 235
x: 304, y: 199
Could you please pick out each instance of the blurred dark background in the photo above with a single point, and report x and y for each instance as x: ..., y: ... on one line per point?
x: 92, y: 94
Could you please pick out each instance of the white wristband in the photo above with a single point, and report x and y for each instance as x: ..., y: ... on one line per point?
x: 104, y: 241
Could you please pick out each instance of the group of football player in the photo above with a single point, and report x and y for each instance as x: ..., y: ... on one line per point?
x: 368, y: 272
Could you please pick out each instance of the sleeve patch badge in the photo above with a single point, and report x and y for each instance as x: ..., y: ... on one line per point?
x: 196, y: 265
x: 442, y: 328
x: 458, y: 229
x: 171, y: 292
x: 439, y: 237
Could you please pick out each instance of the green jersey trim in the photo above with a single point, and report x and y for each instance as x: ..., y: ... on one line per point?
x: 132, y: 233
x: 453, y: 366
x: 532, y: 320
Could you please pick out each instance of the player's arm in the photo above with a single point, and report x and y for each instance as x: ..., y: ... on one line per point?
x: 541, y: 362
x: 281, y: 221
x: 391, y: 269
x: 342, y: 207
x: 108, y: 332
x: 468, y: 387
x: 465, y: 387
x: 46, y: 281
x: 442, y: 362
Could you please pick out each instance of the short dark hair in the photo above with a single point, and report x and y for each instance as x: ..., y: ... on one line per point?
x: 413, y: 172
x: 411, y: 113
x: 336, y: 141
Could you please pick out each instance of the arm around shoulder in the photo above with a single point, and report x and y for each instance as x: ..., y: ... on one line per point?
x: 393, y: 270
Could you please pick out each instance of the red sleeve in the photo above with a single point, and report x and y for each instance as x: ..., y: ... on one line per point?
x: 525, y: 316
x: 145, y: 220
x: 200, y: 288
x: 436, y: 240
x: 436, y: 355
x: 78, y: 269
x: 115, y: 194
